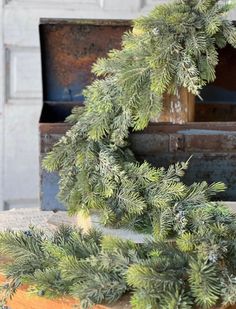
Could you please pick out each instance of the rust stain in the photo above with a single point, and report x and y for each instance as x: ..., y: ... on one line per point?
x: 54, y: 128
x: 73, y: 49
x: 172, y: 128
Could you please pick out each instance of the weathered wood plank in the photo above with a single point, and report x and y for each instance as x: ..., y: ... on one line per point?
x: 177, y: 109
x: 22, y: 300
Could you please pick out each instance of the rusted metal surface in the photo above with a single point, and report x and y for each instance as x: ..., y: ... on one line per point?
x: 173, y: 128
x: 209, y: 141
x: 213, y: 151
x: 53, y: 128
x: 61, y: 128
x: 49, y: 135
x: 150, y: 143
x: 208, y: 167
x: 48, y: 140
x: 69, y: 49
x: 205, y: 137
x: 213, y: 112
x: 188, y: 140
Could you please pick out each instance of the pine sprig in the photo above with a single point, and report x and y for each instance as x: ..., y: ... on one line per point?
x: 205, y: 284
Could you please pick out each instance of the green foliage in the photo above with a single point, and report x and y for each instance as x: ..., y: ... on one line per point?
x: 190, y: 261
x: 160, y: 278
x: 176, y: 300
x: 195, y: 269
x: 193, y: 265
x: 26, y: 250
x: 205, y: 283
x: 47, y: 282
x: 99, y: 279
x: 229, y: 291
x: 175, y: 46
x: 85, y: 266
x: 33, y: 258
x: 186, y: 242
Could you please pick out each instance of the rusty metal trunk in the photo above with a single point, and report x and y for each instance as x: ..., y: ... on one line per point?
x: 69, y: 48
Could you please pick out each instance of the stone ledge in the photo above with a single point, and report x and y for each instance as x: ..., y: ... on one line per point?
x: 231, y: 205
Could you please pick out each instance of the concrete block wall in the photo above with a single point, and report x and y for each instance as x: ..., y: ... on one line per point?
x: 21, y: 87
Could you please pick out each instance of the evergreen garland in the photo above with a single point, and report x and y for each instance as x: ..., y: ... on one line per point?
x: 195, y: 269
x: 190, y: 260
x: 86, y: 266
x: 175, y: 46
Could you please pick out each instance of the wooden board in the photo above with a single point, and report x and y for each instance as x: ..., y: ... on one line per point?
x: 177, y: 109
x: 23, y: 300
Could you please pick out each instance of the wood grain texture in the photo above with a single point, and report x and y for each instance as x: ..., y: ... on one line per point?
x: 178, y: 108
